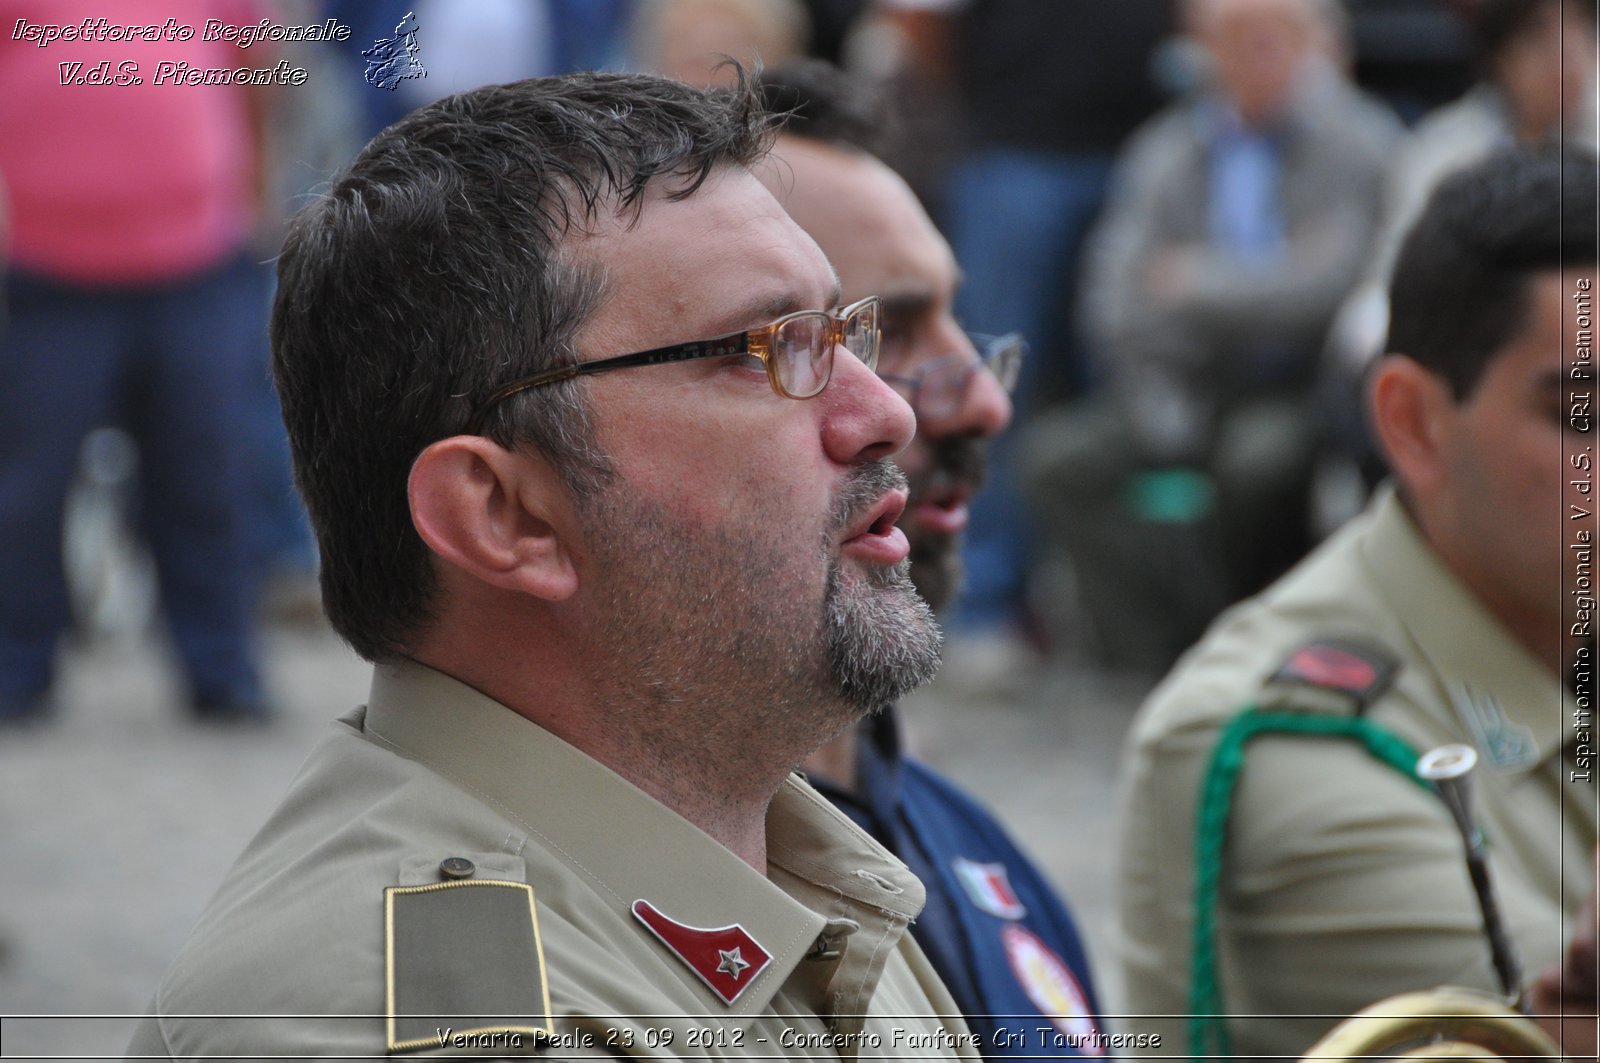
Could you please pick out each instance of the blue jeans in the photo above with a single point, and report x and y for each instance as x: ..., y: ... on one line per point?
x: 170, y: 365
x: 1016, y: 222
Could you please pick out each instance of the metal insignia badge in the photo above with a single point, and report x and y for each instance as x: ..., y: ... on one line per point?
x: 726, y: 958
x: 1505, y: 745
x: 989, y: 888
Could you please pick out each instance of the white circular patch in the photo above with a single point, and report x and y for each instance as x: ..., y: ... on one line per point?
x: 1050, y: 984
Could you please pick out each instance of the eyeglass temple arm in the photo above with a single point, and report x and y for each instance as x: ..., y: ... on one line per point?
x: 680, y: 352
x: 900, y: 378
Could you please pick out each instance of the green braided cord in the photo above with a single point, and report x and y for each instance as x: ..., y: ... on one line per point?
x: 1208, y: 1032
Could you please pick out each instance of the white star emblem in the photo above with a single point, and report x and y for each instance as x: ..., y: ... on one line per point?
x: 732, y: 963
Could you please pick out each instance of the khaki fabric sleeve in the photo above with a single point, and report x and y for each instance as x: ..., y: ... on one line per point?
x: 148, y: 1041
x: 1344, y: 884
x: 1156, y: 884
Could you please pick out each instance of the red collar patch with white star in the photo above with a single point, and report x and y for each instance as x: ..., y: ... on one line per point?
x: 726, y: 958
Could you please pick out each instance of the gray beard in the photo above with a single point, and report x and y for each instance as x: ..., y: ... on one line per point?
x: 883, y: 641
x: 936, y: 568
x: 711, y: 617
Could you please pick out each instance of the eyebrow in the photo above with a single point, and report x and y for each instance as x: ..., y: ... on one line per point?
x: 768, y: 308
x: 907, y: 304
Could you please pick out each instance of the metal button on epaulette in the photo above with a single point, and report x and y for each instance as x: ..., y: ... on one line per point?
x: 457, y: 867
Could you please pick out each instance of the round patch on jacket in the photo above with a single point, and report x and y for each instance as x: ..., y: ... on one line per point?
x: 1052, y: 987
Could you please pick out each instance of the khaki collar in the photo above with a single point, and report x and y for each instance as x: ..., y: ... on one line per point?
x: 629, y: 846
x: 1497, y: 689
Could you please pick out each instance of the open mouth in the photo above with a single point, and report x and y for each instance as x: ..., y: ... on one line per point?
x: 876, y: 536
x: 943, y: 508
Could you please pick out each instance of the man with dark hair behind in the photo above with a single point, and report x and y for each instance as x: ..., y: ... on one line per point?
x: 993, y: 927
x: 1441, y: 616
x: 601, y: 486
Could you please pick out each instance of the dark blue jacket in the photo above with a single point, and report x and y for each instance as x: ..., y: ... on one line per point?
x: 993, y: 928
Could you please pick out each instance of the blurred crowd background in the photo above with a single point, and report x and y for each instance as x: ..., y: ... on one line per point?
x: 1187, y: 206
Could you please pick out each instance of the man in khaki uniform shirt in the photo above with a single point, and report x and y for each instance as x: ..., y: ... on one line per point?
x: 601, y: 486
x: 1342, y: 880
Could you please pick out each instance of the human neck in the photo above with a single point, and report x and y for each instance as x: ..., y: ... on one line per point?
x: 720, y: 782
x: 1537, y: 631
x: 718, y: 762
x: 836, y: 761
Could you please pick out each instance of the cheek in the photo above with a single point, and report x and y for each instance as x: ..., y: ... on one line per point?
x: 768, y: 489
x: 692, y: 455
x: 1508, y: 478
x: 915, y: 460
x: 1530, y: 488
x: 1528, y: 463
x: 1528, y: 79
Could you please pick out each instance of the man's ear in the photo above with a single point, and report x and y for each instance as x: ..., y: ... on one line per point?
x: 1413, y: 412
x: 497, y: 515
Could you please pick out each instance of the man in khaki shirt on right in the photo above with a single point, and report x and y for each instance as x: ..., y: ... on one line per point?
x: 1340, y: 880
x: 600, y: 474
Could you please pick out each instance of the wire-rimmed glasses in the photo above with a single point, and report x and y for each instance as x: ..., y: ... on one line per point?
x: 937, y: 390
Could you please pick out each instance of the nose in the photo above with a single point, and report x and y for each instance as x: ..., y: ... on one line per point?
x: 984, y: 409
x: 983, y: 413
x: 862, y: 417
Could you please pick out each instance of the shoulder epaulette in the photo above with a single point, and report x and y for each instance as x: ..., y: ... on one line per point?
x: 1322, y: 690
x: 1335, y: 675
x: 464, y: 965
